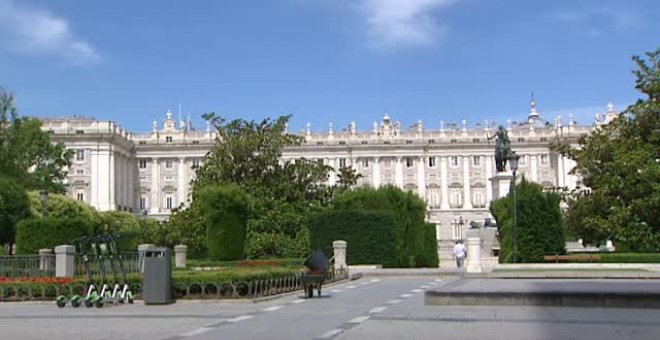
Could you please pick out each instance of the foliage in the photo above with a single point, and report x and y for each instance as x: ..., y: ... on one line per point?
x: 629, y: 258
x: 248, y: 155
x: 121, y: 223
x: 226, y: 209
x: 347, y: 178
x: 60, y: 206
x: 620, y: 164
x: 14, y: 206
x: 409, y: 211
x: 48, y: 232
x: 370, y: 235
x: 273, y: 262
x: 539, y: 228
x: 155, y: 232
x: 428, y: 257
x: 187, y: 226
x: 26, y: 152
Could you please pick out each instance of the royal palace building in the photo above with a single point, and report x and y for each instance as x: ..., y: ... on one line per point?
x: 450, y: 167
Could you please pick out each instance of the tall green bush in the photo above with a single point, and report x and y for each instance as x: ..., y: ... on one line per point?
x: 14, y: 206
x: 121, y: 223
x: 48, y: 232
x: 226, y: 209
x: 409, y: 212
x: 428, y: 254
x: 539, y: 227
x: 370, y: 235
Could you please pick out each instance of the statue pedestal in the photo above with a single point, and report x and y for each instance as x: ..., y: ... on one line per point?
x: 501, y: 183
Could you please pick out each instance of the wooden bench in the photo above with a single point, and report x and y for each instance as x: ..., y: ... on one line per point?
x: 557, y: 258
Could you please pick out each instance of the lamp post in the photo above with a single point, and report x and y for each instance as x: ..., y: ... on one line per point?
x: 459, y: 222
x: 513, y: 164
x: 43, y: 197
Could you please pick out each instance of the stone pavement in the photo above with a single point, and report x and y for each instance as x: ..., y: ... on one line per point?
x: 589, y: 293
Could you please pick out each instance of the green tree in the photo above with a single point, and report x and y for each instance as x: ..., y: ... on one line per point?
x: 27, y: 153
x: 187, y: 226
x: 620, y: 165
x: 14, y: 207
x: 539, y: 227
x: 61, y: 206
x: 347, y: 178
x: 226, y: 209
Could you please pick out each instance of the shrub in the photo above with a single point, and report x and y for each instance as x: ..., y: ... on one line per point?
x: 540, y: 230
x: 14, y: 206
x: 126, y: 225
x: 428, y: 254
x: 370, y: 235
x: 185, y: 226
x: 37, y: 233
x: 409, y: 212
x: 226, y: 209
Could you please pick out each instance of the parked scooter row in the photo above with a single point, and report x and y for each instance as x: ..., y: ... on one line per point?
x: 100, y: 248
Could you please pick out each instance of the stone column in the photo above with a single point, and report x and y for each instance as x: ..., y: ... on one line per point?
x: 533, y: 168
x: 560, y: 171
x: 467, y: 201
x: 489, y: 173
x: 180, y: 255
x: 332, y: 179
x: 142, y: 249
x: 376, y: 173
x: 181, y: 177
x: 112, y: 184
x: 64, y: 261
x: 398, y: 173
x: 501, y: 183
x: 154, y: 205
x: 339, y: 250
x: 473, y: 255
x: 46, y: 259
x: 421, y: 178
x: 444, y: 205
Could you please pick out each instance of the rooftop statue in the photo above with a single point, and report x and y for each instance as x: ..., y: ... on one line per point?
x: 502, y: 148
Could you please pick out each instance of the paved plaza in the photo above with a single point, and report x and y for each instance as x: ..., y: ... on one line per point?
x: 369, y: 308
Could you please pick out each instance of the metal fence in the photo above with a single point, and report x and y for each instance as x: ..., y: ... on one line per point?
x: 103, y: 266
x: 26, y: 266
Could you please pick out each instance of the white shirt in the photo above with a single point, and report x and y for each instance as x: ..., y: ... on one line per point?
x: 459, y: 250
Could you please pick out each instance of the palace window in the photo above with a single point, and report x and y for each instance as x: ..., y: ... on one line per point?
x: 168, y: 164
x: 80, y: 197
x: 365, y: 163
x: 143, y: 203
x: 409, y: 162
x: 80, y: 171
x: 168, y: 139
x: 142, y: 163
x: 195, y: 163
x: 342, y: 162
x: 169, y: 202
x: 80, y: 155
x: 453, y: 161
x: 476, y: 161
x: 456, y: 197
x: 478, y: 197
x: 432, y: 162
x: 522, y: 161
x: 319, y: 161
x: 433, y: 195
x: 544, y: 159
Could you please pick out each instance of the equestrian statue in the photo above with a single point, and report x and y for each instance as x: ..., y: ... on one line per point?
x: 502, y: 148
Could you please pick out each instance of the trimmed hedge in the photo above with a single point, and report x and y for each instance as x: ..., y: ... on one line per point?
x: 370, y: 235
x: 226, y: 209
x: 626, y: 257
x: 37, y: 233
x: 428, y: 255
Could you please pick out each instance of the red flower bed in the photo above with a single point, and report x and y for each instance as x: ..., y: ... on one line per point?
x: 41, y: 280
x: 259, y: 263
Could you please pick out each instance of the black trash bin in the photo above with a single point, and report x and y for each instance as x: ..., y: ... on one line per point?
x: 157, y: 278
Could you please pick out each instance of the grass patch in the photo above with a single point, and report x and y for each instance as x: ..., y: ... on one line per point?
x: 538, y: 270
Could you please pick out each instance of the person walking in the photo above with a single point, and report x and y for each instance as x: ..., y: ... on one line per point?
x: 459, y: 254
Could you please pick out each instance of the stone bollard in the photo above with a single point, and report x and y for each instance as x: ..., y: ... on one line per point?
x: 474, y: 255
x: 45, y: 259
x: 142, y: 248
x: 339, y: 251
x: 64, y: 261
x: 180, y: 255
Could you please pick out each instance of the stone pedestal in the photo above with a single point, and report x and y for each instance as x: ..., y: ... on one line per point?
x: 473, y: 255
x: 46, y: 259
x: 64, y: 261
x: 501, y: 183
x: 142, y: 248
x: 180, y: 255
x: 339, y: 251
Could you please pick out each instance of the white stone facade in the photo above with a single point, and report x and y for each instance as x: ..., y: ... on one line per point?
x: 449, y: 167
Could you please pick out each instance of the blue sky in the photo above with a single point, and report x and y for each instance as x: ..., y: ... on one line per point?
x: 323, y: 60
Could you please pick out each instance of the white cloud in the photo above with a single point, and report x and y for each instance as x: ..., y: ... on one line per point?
x: 36, y: 31
x: 596, y: 21
x: 403, y: 23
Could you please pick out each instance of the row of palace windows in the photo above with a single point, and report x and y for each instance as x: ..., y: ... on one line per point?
x: 454, y: 161
x: 169, y: 164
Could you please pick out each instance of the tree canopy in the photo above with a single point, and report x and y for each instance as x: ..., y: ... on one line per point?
x: 620, y: 166
x: 27, y: 153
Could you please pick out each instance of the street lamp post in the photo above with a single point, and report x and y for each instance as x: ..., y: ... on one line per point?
x: 43, y: 197
x: 513, y: 164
